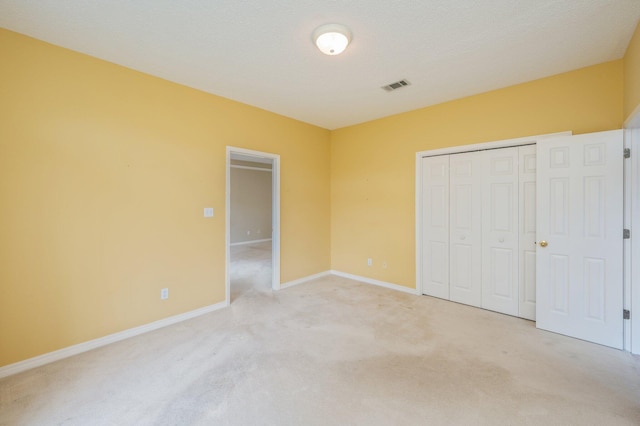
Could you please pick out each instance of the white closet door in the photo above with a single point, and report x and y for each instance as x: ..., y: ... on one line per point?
x: 527, y: 249
x: 579, y: 226
x: 500, y: 230
x: 435, y: 226
x: 465, y: 177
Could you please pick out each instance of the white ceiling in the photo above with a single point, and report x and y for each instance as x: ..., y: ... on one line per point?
x: 260, y: 52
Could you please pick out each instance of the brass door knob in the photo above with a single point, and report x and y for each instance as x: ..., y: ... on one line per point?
x: 543, y: 243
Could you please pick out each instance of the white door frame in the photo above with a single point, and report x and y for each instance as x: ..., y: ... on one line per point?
x: 632, y: 222
x: 275, y: 217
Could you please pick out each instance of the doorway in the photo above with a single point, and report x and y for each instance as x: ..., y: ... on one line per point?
x: 252, y: 235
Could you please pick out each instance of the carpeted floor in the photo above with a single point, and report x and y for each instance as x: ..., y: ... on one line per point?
x: 332, y: 352
x: 250, y: 269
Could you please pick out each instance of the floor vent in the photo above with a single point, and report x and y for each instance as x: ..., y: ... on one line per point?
x: 394, y: 86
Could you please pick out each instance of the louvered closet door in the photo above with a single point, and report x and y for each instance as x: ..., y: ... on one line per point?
x: 500, y: 230
x: 435, y: 226
x: 465, y: 177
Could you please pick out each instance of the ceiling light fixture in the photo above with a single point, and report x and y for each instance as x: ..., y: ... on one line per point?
x: 332, y: 39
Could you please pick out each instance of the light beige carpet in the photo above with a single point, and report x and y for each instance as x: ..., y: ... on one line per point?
x: 332, y: 352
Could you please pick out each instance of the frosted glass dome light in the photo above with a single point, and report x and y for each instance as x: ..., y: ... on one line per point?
x: 332, y: 39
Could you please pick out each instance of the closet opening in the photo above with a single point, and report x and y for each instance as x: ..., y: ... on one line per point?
x: 530, y: 227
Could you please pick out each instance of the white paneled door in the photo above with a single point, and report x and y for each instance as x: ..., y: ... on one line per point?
x: 435, y: 226
x: 527, y: 212
x: 465, y: 252
x: 499, y: 210
x: 579, y: 237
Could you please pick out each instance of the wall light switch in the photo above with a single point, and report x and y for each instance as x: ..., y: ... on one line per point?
x: 208, y: 212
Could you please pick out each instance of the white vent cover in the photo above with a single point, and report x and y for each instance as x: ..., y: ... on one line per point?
x: 397, y: 85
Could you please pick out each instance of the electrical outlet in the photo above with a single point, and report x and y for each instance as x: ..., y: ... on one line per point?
x: 369, y: 262
x: 164, y: 293
x: 384, y: 264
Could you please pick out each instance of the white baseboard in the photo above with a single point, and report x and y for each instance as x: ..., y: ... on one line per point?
x: 304, y: 279
x: 47, y: 358
x: 69, y: 351
x: 376, y: 282
x: 242, y: 243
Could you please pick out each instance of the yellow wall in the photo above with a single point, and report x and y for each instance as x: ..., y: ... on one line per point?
x: 104, y: 173
x: 632, y: 75
x: 373, y: 164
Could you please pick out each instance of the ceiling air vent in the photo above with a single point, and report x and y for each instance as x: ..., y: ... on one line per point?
x: 394, y: 86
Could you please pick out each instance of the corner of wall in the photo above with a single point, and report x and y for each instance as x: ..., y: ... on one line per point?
x: 632, y: 77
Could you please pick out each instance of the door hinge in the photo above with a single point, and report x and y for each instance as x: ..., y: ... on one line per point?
x: 626, y: 314
x: 626, y: 234
x: 627, y: 153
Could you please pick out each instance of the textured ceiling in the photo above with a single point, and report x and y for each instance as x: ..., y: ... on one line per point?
x: 260, y: 52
